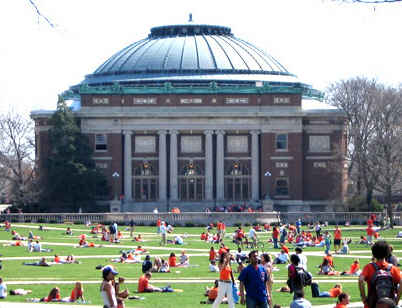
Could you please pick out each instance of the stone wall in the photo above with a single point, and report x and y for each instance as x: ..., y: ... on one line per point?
x: 195, y: 219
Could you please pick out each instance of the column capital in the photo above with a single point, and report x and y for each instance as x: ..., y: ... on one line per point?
x: 220, y: 132
x: 174, y: 132
x: 127, y: 132
x: 255, y: 132
x: 208, y: 132
x: 162, y: 132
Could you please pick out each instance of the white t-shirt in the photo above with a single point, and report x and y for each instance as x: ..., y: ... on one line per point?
x: 3, y: 290
x: 251, y: 233
x: 303, y: 261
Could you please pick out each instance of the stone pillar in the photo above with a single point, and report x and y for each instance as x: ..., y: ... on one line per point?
x: 255, y: 191
x: 173, y: 166
x: 162, y: 165
x: 220, y: 166
x: 128, y: 166
x: 208, y: 166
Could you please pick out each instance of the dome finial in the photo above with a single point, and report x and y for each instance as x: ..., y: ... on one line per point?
x: 190, y: 17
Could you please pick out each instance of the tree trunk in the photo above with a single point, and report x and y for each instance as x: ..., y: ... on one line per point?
x: 369, y: 198
x: 390, y: 209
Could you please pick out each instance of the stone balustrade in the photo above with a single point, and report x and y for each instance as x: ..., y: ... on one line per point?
x: 195, y: 218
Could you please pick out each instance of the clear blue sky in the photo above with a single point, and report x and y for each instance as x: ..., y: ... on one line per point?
x: 321, y: 41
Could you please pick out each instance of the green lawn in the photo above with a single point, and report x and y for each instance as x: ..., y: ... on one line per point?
x: 192, y: 294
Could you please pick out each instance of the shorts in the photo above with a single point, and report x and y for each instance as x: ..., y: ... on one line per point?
x: 337, y: 241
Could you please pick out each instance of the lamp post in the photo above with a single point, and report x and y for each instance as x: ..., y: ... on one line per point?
x: 115, y: 176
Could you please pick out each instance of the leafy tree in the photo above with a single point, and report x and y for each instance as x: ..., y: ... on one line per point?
x: 71, y: 176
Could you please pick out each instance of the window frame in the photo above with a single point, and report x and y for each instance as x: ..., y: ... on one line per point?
x: 276, y: 142
x: 105, y: 144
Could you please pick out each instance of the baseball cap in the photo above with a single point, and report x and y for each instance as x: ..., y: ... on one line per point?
x: 108, y: 268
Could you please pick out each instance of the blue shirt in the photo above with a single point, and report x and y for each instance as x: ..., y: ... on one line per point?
x: 300, y: 303
x: 255, y: 281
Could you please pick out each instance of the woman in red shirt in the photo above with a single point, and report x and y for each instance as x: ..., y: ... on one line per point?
x: 225, y: 281
x: 275, y: 236
x: 77, y: 292
x: 337, y: 239
x: 172, y: 260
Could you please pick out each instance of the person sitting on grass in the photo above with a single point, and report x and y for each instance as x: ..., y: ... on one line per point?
x: 138, y: 238
x: 37, y: 247
x: 145, y: 286
x: 3, y: 289
x: 213, y: 267
x: 172, y: 260
x: 345, y: 249
x: 343, y: 300
x: 69, y: 231
x: 282, y: 258
x: 77, y: 293
x: 212, y: 294
x: 157, y: 264
x: 354, y: 269
x: 184, y: 259
x: 178, y: 240
x: 212, y: 254
x: 327, y: 269
x: 164, y: 267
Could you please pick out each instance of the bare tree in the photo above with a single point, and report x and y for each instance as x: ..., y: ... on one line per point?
x: 356, y: 97
x: 17, y: 156
x: 40, y: 15
x: 386, y: 147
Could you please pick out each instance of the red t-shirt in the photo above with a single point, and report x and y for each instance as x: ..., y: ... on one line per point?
x: 75, y: 294
x: 212, y: 255
x: 172, y: 261
x: 275, y: 233
x: 337, y: 234
x: 142, y: 283
x: 285, y: 249
x: 370, y: 231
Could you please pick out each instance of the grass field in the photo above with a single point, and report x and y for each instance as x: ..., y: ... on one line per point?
x: 41, y: 279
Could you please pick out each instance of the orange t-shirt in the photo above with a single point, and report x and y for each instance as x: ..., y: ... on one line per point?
x: 75, y: 294
x: 212, y: 255
x: 172, y: 261
x: 57, y: 259
x: 338, y: 234
x: 330, y: 260
x: 369, y: 270
x: 334, y: 292
x: 354, y: 268
x: 222, y: 250
x: 340, y: 306
x: 213, y: 294
x: 285, y: 249
x: 225, y: 273
x: 142, y: 283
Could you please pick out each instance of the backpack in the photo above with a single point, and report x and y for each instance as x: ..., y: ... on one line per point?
x: 302, y: 279
x: 112, y: 229
x: 381, y: 285
x: 315, y: 290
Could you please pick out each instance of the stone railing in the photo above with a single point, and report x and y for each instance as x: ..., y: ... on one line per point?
x: 194, y: 218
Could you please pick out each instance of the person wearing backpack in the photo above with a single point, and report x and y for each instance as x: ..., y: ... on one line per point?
x: 381, y: 277
x: 298, y: 278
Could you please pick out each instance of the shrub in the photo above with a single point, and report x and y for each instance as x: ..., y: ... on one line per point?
x: 237, y: 224
x: 189, y: 224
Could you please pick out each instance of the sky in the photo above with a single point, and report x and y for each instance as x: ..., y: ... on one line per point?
x: 320, y: 41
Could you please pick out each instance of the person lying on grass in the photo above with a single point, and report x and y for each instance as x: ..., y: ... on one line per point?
x: 20, y: 292
x: 41, y: 262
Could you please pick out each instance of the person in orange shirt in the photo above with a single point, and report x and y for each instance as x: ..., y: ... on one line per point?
x: 337, y: 239
x: 77, y: 292
x: 284, y: 248
x: 343, y: 300
x: 212, y: 294
x: 380, y: 251
x: 172, y: 260
x: 225, y: 281
x: 354, y: 269
x: 145, y: 286
x: 212, y: 254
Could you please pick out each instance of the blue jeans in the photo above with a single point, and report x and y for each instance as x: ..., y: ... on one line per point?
x: 253, y: 303
x: 324, y: 294
x: 275, y: 243
x: 327, y: 248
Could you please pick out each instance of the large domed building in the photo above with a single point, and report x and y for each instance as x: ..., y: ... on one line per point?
x: 194, y: 117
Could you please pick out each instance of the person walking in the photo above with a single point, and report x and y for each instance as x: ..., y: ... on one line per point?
x: 163, y: 232
x: 337, y: 239
x: 225, y: 281
x: 107, y: 288
x: 327, y: 241
x: 382, y: 278
x: 275, y: 236
x: 254, y: 278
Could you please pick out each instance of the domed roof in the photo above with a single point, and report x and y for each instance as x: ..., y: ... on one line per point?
x: 190, y: 52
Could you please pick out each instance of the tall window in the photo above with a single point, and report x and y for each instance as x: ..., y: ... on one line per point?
x: 191, y: 182
x: 282, y: 187
x: 145, y: 181
x: 237, y: 181
x: 100, y: 142
x: 281, y: 142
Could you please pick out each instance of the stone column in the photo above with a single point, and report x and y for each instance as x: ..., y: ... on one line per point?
x: 255, y: 191
x: 208, y: 165
x: 162, y: 165
x: 220, y: 165
x: 128, y: 166
x: 173, y: 166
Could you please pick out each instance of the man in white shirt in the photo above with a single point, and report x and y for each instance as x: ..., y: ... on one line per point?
x: 252, y: 235
x: 163, y: 232
x: 302, y: 257
x: 3, y: 289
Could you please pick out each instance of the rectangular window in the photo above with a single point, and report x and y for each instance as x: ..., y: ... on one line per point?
x: 144, y: 101
x: 145, y: 144
x: 319, y: 144
x: 100, y: 142
x: 191, y: 101
x: 100, y: 101
x: 281, y: 165
x: 236, y: 100
x: 281, y: 142
x: 320, y: 164
x: 282, y: 187
x: 191, y: 144
x: 237, y: 144
x: 281, y: 100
